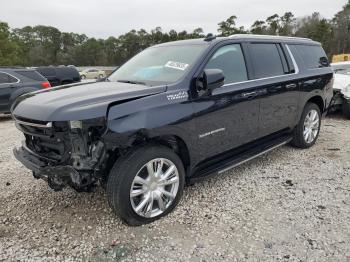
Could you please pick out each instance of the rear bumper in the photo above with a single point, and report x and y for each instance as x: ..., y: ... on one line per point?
x: 57, y: 176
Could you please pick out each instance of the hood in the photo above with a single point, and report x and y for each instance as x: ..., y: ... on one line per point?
x: 341, y: 81
x: 78, y: 101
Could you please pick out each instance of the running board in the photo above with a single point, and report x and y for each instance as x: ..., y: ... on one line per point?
x: 251, y: 158
x: 240, y: 158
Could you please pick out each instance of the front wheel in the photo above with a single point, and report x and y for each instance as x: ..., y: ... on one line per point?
x: 308, y: 129
x: 346, y: 108
x: 146, y: 184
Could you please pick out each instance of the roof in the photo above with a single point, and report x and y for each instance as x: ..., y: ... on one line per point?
x: 243, y: 37
x: 14, y: 68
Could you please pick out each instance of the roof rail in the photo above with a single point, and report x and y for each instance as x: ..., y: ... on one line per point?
x: 269, y: 37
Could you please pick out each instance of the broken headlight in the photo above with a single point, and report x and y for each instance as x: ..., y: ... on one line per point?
x: 76, y: 124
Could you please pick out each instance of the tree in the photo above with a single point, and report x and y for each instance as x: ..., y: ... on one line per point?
x: 341, y: 31
x: 9, y: 50
x: 228, y: 27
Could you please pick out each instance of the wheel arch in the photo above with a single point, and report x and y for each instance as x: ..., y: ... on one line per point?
x: 174, y: 142
x: 318, y: 100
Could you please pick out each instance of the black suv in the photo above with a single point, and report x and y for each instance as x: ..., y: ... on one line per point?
x: 18, y: 81
x: 61, y: 75
x: 175, y: 113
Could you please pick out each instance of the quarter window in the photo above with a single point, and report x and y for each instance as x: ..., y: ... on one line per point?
x: 313, y: 56
x: 7, y: 79
x: 231, y: 61
x: 266, y: 60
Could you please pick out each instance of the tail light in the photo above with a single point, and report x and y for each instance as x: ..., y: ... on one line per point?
x: 45, y: 84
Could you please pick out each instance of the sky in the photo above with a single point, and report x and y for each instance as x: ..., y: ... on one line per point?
x: 105, y: 18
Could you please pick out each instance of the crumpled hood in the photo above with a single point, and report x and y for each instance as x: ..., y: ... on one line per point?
x: 342, y: 83
x: 78, y: 101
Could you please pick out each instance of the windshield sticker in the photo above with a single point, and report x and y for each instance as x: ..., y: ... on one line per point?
x: 177, y: 65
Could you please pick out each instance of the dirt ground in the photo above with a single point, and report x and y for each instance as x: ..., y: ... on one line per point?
x: 288, y: 205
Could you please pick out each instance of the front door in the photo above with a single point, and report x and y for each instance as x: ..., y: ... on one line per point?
x: 229, y: 117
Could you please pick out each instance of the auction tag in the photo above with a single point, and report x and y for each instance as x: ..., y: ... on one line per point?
x: 177, y: 65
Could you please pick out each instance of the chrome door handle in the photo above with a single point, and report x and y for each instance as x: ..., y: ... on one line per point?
x: 290, y: 86
x: 249, y: 94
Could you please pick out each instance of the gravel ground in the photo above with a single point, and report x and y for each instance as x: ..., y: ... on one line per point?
x: 288, y: 205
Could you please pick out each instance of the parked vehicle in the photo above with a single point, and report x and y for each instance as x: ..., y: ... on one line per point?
x: 92, y: 74
x: 176, y: 112
x: 60, y: 75
x: 342, y: 67
x: 106, y: 77
x: 341, y: 58
x: 18, y: 81
x: 341, y: 99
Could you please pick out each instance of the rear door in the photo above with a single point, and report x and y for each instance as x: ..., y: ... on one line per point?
x: 8, y: 84
x: 274, y: 73
x: 229, y: 116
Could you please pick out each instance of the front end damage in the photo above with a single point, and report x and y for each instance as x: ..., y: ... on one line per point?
x: 64, y: 153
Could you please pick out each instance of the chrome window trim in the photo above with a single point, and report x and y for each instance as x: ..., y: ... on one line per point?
x: 271, y: 77
x: 11, y: 76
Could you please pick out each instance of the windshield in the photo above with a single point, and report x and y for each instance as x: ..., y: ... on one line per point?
x: 158, y: 65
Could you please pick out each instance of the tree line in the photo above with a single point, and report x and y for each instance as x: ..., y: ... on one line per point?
x: 46, y: 45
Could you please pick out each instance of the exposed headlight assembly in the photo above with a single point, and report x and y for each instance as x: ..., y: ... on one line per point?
x: 76, y: 124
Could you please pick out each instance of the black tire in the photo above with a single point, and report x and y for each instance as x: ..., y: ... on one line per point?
x: 298, y: 134
x: 123, y: 173
x: 346, y: 108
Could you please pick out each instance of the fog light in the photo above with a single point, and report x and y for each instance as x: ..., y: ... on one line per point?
x: 76, y: 124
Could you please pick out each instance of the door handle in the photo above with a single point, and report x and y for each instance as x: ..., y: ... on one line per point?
x: 249, y: 94
x: 291, y: 86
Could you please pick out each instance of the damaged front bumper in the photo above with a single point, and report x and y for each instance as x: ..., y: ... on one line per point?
x: 57, y: 176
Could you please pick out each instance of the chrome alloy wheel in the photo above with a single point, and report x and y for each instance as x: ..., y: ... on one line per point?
x: 311, y: 126
x: 154, y: 187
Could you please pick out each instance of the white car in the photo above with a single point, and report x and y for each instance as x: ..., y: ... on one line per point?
x: 92, y: 73
x: 341, y: 86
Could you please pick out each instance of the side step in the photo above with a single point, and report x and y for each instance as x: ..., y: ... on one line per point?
x: 240, y: 157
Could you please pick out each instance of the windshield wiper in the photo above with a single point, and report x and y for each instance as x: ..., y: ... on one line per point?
x: 132, y: 82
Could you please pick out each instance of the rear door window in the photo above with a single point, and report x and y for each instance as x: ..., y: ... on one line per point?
x: 231, y: 61
x: 266, y: 60
x: 312, y: 56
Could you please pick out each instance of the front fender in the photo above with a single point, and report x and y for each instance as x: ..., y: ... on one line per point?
x: 150, y: 117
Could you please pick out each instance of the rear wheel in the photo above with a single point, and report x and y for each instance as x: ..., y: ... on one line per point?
x: 308, y: 129
x: 346, y: 108
x: 146, y: 184
x: 100, y: 76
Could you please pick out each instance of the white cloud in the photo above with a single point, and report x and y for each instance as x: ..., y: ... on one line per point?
x: 107, y: 17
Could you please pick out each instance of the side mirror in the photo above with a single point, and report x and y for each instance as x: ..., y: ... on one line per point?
x: 210, y: 80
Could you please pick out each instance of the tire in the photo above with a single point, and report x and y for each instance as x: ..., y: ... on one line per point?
x: 133, y: 166
x: 346, y: 108
x: 83, y: 77
x: 300, y: 139
x: 100, y: 76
